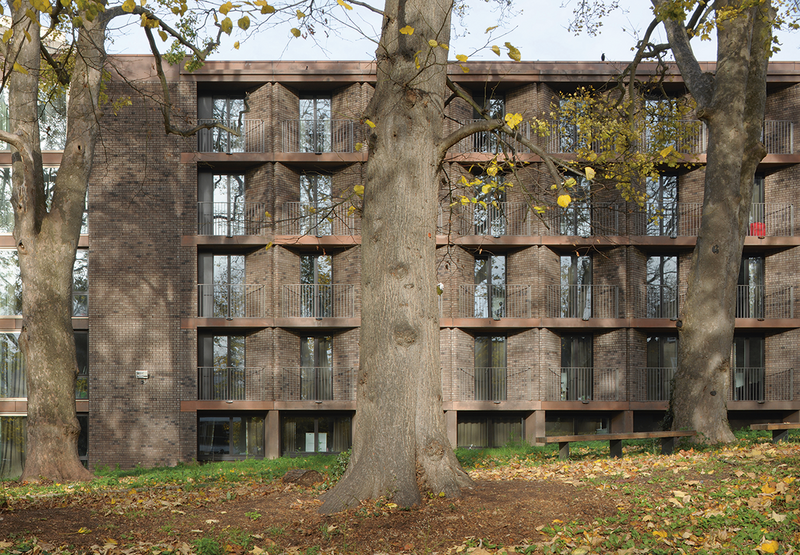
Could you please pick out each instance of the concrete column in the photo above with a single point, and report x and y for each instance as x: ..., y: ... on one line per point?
x: 273, y: 431
x: 622, y: 422
x: 534, y: 426
x: 451, y: 419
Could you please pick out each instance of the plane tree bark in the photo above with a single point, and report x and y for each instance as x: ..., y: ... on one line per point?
x: 731, y: 102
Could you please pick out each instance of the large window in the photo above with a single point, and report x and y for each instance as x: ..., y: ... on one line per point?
x: 315, y: 124
x: 6, y: 209
x: 227, y: 110
x: 221, y: 373
x: 494, y: 107
x: 80, y: 284
x: 305, y: 434
x: 576, y: 367
x: 662, y: 287
x: 13, y: 379
x: 12, y: 446
x: 662, y: 206
x: 662, y: 360
x: 748, y: 368
x: 10, y: 284
x: 221, y: 205
x: 491, y: 373
x: 221, y: 286
x: 316, y: 279
x: 484, y: 430
x: 490, y: 286
x: 576, y: 219
x: 82, y: 357
x: 576, y: 287
x: 750, y: 288
x: 491, y: 218
x: 316, y: 372
x: 316, y: 204
x: 230, y: 437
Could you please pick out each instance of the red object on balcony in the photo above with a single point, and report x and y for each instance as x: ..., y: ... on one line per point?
x: 758, y: 229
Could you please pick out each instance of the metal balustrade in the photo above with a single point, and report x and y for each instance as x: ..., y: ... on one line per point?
x: 302, y: 219
x: 317, y: 136
x: 231, y: 300
x: 230, y: 383
x: 582, y: 301
x: 761, y: 384
x: 324, y: 383
x: 771, y: 220
x: 652, y: 384
x: 755, y: 301
x: 493, y: 384
x: 493, y: 142
x: 250, y: 139
x: 658, y: 301
x: 506, y: 218
x: 318, y: 301
x: 584, y: 219
x: 778, y: 136
x: 231, y: 219
x: 494, y: 301
x: 583, y: 384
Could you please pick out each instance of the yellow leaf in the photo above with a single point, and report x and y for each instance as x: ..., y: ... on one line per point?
x: 20, y: 69
x: 225, y: 8
x: 407, y: 30
x: 770, y: 546
x: 465, y: 69
x: 295, y: 32
x: 444, y: 46
x: 492, y: 170
x: 513, y: 52
x: 163, y: 35
x: 128, y: 6
x: 358, y: 146
x: 300, y: 15
x: 564, y: 200
x: 83, y: 530
x: 226, y: 25
x: 589, y: 173
x: 236, y: 45
x: 464, y: 200
x: 244, y: 23
x: 461, y: 58
x: 265, y: 9
x: 512, y: 120
x: 486, y: 188
x: 370, y: 123
x: 432, y: 43
x: 553, y: 187
x: 666, y: 152
x: 7, y: 35
x: 344, y: 4
x: 392, y: 505
x: 539, y: 209
x: 269, y: 245
x: 569, y: 183
x: 659, y: 533
x: 496, y: 49
x: 490, y: 29
x: 359, y: 189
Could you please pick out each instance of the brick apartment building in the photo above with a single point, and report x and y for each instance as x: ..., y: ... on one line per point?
x: 217, y: 286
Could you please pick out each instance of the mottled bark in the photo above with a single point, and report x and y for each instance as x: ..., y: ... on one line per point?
x: 400, y: 441
x: 731, y: 102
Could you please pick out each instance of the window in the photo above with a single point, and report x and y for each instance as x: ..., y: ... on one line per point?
x: 82, y: 358
x: 662, y: 206
x: 490, y: 286
x: 662, y: 360
x: 83, y: 439
x: 221, y: 285
x: 748, y: 368
x: 230, y: 437
x: 490, y: 220
x: 227, y: 110
x: 316, y: 368
x: 576, y: 219
x: 221, y: 205
x: 316, y: 279
x: 221, y: 373
x: 80, y: 284
x: 315, y: 124
x: 576, y: 368
x: 750, y: 288
x: 576, y: 287
x: 12, y: 446
x: 6, y: 208
x: 305, y: 434
x: 758, y: 222
x: 494, y: 107
x: 483, y: 430
x: 316, y: 204
x: 53, y: 120
x: 490, y: 368
x: 13, y: 378
x: 10, y: 284
x: 662, y: 287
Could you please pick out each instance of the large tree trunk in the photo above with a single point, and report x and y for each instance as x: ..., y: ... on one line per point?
x: 400, y: 441
x: 732, y: 105
x: 46, y: 244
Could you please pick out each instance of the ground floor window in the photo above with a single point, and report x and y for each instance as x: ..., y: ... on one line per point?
x: 238, y: 436
x: 569, y: 423
x: 12, y: 446
x: 483, y: 430
x: 306, y: 434
x: 83, y: 439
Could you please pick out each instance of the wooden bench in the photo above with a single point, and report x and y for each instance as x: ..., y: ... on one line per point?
x: 780, y: 430
x: 615, y: 441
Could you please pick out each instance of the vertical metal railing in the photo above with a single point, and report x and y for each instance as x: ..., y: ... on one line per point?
x: 318, y: 301
x: 494, y: 301
x: 303, y: 219
x: 778, y: 136
x: 321, y: 383
x: 317, y: 136
x: 652, y: 383
x: 230, y: 219
x: 250, y: 138
x: 582, y: 301
x: 231, y: 300
x: 216, y: 383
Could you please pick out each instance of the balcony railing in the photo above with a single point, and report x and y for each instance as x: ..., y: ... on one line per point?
x: 585, y: 219
x: 231, y: 300
x: 493, y: 384
x: 771, y: 220
x: 755, y: 301
x: 582, y: 301
x: 494, y: 301
x: 301, y: 219
x: 317, y: 384
x: 493, y: 143
x: 318, y: 301
x: 231, y: 219
x: 652, y: 384
x: 761, y: 384
x: 507, y: 218
x: 778, y: 136
x: 251, y: 138
x: 317, y: 136
x: 658, y: 301
x: 583, y: 384
x: 230, y: 384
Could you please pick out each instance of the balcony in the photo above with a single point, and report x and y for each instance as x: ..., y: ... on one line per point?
x: 754, y: 301
x: 652, y: 384
x: 505, y: 219
x: 582, y: 301
x: 318, y: 384
x: 494, y: 301
x: 250, y: 139
x: 658, y: 301
x: 318, y: 301
x: 778, y: 136
x: 230, y: 384
x: 583, y: 384
x: 317, y: 136
x: 230, y: 219
x: 231, y: 300
x: 585, y: 219
x: 754, y: 384
x: 493, y: 143
x: 493, y: 384
x: 771, y: 220
x: 302, y: 219
x: 683, y: 220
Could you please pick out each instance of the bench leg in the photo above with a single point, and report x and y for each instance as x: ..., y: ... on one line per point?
x: 780, y: 435
x: 667, y: 445
x: 563, y: 450
x: 615, y: 446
